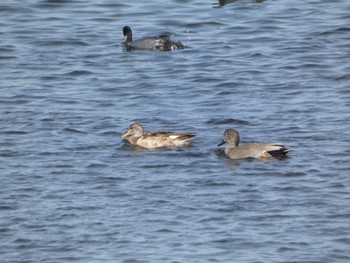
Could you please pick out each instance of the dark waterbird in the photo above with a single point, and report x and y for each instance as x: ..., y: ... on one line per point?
x: 159, y: 43
x: 252, y: 150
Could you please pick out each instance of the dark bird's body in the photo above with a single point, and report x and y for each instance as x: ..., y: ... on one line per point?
x: 159, y: 43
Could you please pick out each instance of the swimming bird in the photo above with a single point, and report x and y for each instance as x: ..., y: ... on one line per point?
x: 156, y: 139
x: 253, y: 150
x: 160, y: 43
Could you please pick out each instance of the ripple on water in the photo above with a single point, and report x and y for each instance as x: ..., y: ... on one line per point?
x: 216, y: 121
x: 72, y: 190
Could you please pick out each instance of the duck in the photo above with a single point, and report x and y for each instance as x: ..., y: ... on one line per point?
x: 159, y: 43
x: 156, y: 139
x: 253, y: 150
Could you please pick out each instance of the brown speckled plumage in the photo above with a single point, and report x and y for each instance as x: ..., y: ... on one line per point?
x: 156, y: 139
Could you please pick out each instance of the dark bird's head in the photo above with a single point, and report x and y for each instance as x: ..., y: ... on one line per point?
x: 127, y: 33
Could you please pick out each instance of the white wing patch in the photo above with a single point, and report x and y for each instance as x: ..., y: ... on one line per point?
x: 173, y: 137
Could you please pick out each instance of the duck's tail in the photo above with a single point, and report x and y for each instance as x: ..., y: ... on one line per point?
x: 185, y: 139
x: 279, y: 150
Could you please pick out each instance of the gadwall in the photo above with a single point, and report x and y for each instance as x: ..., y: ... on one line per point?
x: 160, y: 43
x: 156, y: 139
x: 253, y: 150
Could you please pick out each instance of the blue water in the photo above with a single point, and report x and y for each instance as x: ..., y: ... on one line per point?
x: 72, y: 191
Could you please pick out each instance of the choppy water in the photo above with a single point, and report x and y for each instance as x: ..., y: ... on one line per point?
x: 71, y: 191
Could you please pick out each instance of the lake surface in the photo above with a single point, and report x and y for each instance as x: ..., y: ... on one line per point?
x: 72, y: 191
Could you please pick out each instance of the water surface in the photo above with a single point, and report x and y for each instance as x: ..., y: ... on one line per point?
x: 71, y: 191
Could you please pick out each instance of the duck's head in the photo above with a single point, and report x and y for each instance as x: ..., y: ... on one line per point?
x: 231, y: 136
x: 135, y: 129
x: 127, y: 33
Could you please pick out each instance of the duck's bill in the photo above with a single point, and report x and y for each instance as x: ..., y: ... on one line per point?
x: 125, y: 134
x: 221, y: 143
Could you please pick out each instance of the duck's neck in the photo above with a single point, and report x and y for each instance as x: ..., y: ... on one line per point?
x: 133, y: 139
x: 129, y: 37
x: 229, y: 147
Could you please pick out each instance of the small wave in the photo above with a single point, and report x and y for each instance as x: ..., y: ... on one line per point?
x: 56, y: 1
x: 77, y: 73
x: 13, y: 133
x: 216, y: 121
x: 7, y: 57
x: 55, y: 43
x: 14, y: 102
x: 155, y: 166
x: 335, y: 31
x: 6, y: 207
x: 71, y: 130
